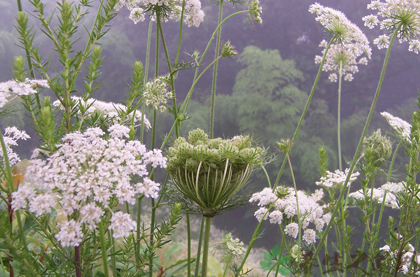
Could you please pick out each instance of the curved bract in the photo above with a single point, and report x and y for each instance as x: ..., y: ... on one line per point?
x: 210, y: 172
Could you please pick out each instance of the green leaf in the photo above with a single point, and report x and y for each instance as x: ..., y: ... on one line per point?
x: 265, y: 265
x: 268, y: 257
x: 178, y: 266
x: 283, y: 260
x: 275, y: 251
x: 174, y: 248
x: 284, y: 271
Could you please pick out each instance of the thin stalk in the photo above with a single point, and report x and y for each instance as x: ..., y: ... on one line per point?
x: 213, y: 88
x: 253, y: 239
x: 184, y: 105
x: 277, y: 271
x: 77, y: 264
x: 206, y: 246
x: 306, y: 106
x: 227, y: 265
x: 392, y: 162
x: 103, y: 249
x: 181, y: 25
x: 359, y: 146
x: 113, y: 260
x: 267, y: 176
x: 137, y: 243
x: 204, y: 54
x: 146, y: 74
x: 340, y: 77
x: 200, y: 239
x: 151, y: 241
x: 297, y: 207
x: 189, y: 243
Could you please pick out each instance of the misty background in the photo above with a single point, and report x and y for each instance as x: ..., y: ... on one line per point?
x: 260, y: 92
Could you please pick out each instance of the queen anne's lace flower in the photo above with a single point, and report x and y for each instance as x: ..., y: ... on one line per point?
x: 350, y: 44
x: 233, y: 247
x: 309, y: 236
x: 156, y: 93
x: 387, y: 194
x: 107, y: 109
x: 11, y: 88
x: 121, y: 225
x: 337, y: 178
x: 292, y: 230
x: 393, y: 14
x: 11, y: 135
x: 193, y: 14
x: 70, y: 233
x: 84, y: 179
x: 283, y: 200
x: 402, y: 127
x: 137, y: 15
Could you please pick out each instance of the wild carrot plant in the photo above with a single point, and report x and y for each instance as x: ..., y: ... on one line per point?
x: 80, y: 205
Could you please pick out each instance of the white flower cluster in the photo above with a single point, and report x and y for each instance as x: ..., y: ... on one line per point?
x: 156, y: 93
x: 392, y: 14
x: 10, y: 88
x: 351, y: 43
x: 232, y: 246
x: 85, y: 178
x: 337, y: 178
x: 109, y: 109
x: 11, y: 135
x: 387, y: 194
x: 285, y: 210
x: 346, y: 54
x: 402, y: 127
x: 193, y: 14
x: 410, y: 254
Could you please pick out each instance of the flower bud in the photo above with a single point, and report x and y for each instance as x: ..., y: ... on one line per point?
x: 377, y: 149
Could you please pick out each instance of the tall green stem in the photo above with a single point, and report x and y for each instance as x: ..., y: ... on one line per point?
x: 297, y: 208
x: 213, y: 88
x: 340, y: 77
x: 200, y: 239
x: 189, y: 243
x: 206, y: 246
x: 340, y: 164
x: 306, y: 107
x: 103, y: 249
x: 253, y: 239
x: 359, y: 146
x: 152, y: 220
x: 388, y: 178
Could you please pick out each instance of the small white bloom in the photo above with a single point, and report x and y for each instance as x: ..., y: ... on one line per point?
x: 382, y: 41
x: 309, y: 236
x: 70, y: 233
x: 337, y: 178
x: 402, y: 127
x: 259, y: 214
x: 121, y: 225
x: 276, y: 217
x: 156, y: 93
x: 414, y: 46
x: 11, y: 135
x: 137, y: 15
x: 292, y: 229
